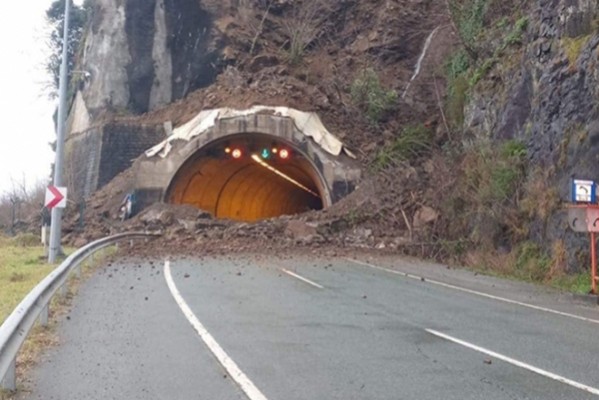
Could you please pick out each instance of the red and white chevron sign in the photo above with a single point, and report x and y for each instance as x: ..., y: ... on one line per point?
x: 56, y: 197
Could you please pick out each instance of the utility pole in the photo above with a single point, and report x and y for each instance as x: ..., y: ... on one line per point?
x: 55, y: 226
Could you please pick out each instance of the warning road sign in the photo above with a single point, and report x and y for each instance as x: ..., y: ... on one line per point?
x: 56, y: 197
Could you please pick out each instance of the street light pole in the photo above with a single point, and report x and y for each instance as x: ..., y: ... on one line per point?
x: 55, y: 226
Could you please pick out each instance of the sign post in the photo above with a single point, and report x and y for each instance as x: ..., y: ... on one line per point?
x: 583, y: 216
x: 55, y: 228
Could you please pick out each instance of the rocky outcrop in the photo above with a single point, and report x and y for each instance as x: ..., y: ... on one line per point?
x: 548, y: 99
x: 144, y: 54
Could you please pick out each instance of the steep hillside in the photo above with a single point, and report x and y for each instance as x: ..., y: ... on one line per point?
x: 526, y: 93
x: 469, y: 116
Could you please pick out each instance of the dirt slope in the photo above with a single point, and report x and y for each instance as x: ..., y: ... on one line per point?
x: 343, y: 39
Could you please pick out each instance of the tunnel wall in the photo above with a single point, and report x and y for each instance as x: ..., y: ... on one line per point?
x: 94, y: 157
x: 338, y: 174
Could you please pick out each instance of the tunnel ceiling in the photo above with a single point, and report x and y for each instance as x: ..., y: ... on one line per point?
x: 248, y: 178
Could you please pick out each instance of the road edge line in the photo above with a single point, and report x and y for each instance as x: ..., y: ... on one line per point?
x: 516, y: 363
x: 248, y: 387
x: 477, y: 293
x: 301, y: 278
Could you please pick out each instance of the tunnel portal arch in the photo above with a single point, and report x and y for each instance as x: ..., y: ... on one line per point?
x: 200, y: 172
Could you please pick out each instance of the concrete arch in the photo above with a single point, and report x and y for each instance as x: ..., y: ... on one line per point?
x: 197, y: 172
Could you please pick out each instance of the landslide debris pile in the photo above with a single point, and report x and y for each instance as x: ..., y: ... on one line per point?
x: 375, y: 216
x: 313, y: 56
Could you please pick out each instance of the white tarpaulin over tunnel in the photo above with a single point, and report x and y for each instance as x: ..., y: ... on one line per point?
x: 307, y: 122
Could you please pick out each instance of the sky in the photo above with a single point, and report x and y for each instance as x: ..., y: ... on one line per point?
x: 25, y: 108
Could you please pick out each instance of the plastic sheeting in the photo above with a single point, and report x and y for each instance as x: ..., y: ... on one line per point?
x: 307, y: 123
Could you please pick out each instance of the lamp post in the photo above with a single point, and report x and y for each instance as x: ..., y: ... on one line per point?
x: 55, y: 226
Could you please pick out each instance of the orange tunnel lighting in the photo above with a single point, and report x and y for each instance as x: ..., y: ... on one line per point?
x: 247, y: 188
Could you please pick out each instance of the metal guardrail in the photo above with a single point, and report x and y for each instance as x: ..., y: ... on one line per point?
x: 16, y: 328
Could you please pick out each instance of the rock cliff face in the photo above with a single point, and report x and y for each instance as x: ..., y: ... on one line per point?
x: 549, y: 99
x: 144, y: 54
x: 157, y: 61
x: 153, y: 61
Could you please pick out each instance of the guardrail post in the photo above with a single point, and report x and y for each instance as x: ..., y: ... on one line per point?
x: 44, y: 315
x: 9, y: 382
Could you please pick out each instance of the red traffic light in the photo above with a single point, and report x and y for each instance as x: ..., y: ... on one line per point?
x: 284, y: 154
x: 236, y: 153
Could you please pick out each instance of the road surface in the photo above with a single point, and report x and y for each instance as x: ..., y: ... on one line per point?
x: 309, y: 328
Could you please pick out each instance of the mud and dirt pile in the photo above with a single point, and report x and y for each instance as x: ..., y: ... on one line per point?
x: 308, y: 55
x: 380, y: 215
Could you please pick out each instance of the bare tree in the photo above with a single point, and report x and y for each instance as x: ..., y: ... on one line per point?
x: 305, y: 26
x: 21, y: 205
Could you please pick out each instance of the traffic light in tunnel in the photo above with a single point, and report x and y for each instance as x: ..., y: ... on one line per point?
x: 237, y: 153
x: 284, y: 154
x: 265, y: 154
x: 234, y: 152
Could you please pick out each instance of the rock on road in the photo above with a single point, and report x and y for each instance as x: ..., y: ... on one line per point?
x: 309, y: 328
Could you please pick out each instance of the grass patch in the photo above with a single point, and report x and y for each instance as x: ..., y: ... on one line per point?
x: 469, y: 18
x: 456, y: 70
x: 22, y: 267
x: 578, y: 283
x: 483, y: 203
x: 516, y: 36
x: 413, y: 142
x: 573, y: 47
x: 371, y: 97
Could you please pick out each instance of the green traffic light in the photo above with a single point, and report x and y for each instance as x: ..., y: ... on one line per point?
x: 265, y: 154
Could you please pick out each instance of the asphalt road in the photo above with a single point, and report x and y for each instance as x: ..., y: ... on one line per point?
x: 307, y: 328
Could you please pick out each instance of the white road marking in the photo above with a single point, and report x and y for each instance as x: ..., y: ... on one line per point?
x: 517, y: 363
x: 477, y: 293
x: 301, y: 278
x: 252, y: 392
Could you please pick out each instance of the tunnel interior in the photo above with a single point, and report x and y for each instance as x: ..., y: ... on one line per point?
x: 248, y: 178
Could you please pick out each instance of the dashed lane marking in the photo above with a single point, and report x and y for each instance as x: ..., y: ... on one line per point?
x: 475, y: 292
x: 301, y: 278
x: 516, y: 363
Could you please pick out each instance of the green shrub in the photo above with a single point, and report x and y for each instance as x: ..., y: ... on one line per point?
x: 482, y: 71
x: 499, y: 172
x: 371, y: 97
x: 517, y: 33
x: 574, y: 46
x: 514, y: 149
x: 457, y: 65
x: 531, y: 263
x: 413, y: 142
x: 469, y: 18
x: 483, y: 203
x: 456, y: 70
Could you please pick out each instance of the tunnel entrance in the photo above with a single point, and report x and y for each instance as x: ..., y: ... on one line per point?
x: 248, y: 178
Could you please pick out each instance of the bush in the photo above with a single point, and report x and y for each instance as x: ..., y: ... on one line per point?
x: 304, y: 26
x: 484, y: 203
x: 369, y: 95
x: 531, y: 263
x: 413, y: 142
x: 468, y: 17
x: 26, y: 240
x: 456, y: 70
x: 516, y: 35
